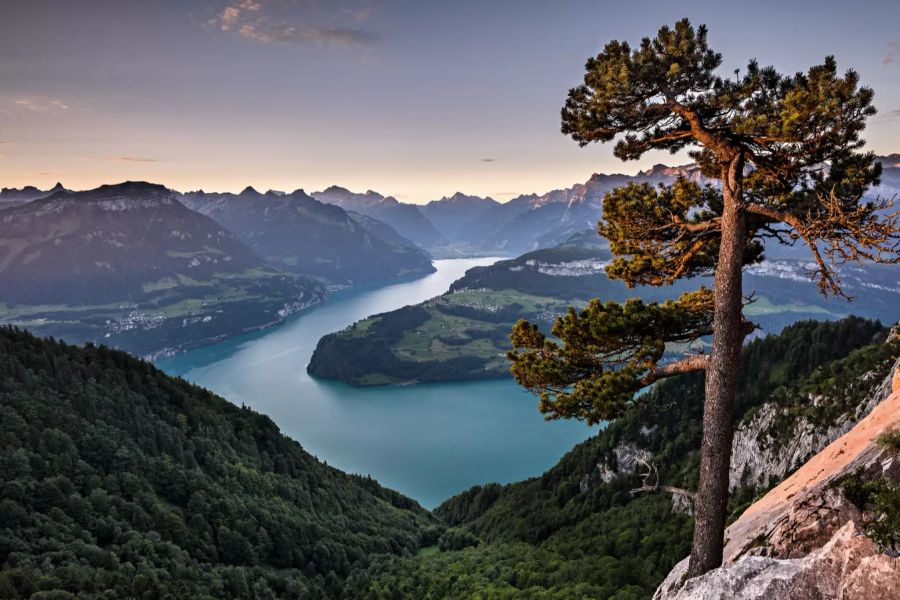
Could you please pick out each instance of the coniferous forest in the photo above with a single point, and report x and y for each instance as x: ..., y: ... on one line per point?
x: 120, y: 481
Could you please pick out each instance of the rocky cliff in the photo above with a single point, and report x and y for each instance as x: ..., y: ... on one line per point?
x: 764, y: 451
x: 828, y: 530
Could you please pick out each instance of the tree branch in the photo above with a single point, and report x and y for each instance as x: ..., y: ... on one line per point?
x: 651, y: 470
x: 688, y: 364
x: 850, y: 234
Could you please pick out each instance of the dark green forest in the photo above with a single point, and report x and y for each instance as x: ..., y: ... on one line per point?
x: 568, y: 535
x: 120, y: 481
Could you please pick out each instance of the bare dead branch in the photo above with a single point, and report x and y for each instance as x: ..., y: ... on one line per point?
x: 655, y: 487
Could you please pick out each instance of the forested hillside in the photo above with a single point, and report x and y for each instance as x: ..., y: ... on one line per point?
x: 578, y: 532
x: 118, y: 481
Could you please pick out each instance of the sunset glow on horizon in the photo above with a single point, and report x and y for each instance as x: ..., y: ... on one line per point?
x: 411, y: 99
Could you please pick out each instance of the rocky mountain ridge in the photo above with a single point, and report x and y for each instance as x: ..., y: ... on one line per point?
x: 406, y: 219
x: 14, y: 197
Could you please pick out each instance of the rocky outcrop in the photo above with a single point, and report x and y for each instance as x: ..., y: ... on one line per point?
x: 804, y: 539
x: 627, y: 458
x: 848, y: 567
x: 758, y: 459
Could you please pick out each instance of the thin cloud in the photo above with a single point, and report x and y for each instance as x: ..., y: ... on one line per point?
x: 51, y: 106
x: 489, y: 159
x: 893, y: 49
x: 247, y: 19
x: 129, y: 159
x: 360, y: 14
x: 299, y: 34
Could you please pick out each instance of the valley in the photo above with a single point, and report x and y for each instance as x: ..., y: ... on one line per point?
x: 428, y: 441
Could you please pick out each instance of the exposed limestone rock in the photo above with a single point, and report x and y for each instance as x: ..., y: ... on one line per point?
x: 809, y: 524
x: 627, y: 456
x: 804, y: 539
x: 758, y: 459
x: 682, y: 505
x: 848, y: 567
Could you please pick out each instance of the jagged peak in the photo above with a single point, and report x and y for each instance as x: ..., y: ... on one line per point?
x: 335, y: 189
x: 249, y: 191
x: 661, y: 169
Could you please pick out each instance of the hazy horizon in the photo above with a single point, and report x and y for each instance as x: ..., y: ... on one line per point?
x: 412, y: 100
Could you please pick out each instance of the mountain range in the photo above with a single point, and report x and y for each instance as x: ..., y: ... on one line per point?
x: 466, y: 225
x: 407, y: 219
x: 110, y: 264
x: 131, y: 266
x: 296, y: 233
x: 14, y: 197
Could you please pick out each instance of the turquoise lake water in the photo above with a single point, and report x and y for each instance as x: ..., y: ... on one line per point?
x: 428, y: 441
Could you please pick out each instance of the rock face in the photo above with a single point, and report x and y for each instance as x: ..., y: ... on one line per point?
x: 848, y: 567
x: 758, y: 459
x: 804, y: 539
x: 628, y: 457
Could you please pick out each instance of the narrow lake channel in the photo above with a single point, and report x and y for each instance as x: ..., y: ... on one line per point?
x: 427, y: 441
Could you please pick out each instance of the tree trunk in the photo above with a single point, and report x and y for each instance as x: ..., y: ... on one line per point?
x: 721, y: 380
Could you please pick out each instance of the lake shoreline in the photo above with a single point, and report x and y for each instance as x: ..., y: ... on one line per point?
x: 428, y: 441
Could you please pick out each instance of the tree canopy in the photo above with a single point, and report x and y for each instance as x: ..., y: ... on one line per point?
x: 783, y: 161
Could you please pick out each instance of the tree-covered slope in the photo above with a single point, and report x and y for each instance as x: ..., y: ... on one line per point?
x: 577, y: 531
x: 119, y: 481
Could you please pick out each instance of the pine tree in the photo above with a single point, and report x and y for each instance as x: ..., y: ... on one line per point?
x: 785, y: 154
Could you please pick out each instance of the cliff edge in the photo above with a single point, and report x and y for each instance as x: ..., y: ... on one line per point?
x: 809, y: 537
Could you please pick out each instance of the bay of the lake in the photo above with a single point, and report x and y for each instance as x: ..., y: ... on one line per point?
x: 428, y: 441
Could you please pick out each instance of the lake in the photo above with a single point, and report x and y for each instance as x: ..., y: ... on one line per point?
x: 428, y: 441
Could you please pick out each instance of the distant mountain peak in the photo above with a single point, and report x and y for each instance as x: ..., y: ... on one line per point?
x: 249, y: 191
x: 889, y: 161
x: 26, y: 189
x: 661, y: 170
x: 335, y: 189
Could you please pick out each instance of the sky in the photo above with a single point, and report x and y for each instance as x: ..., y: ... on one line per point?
x: 415, y: 99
